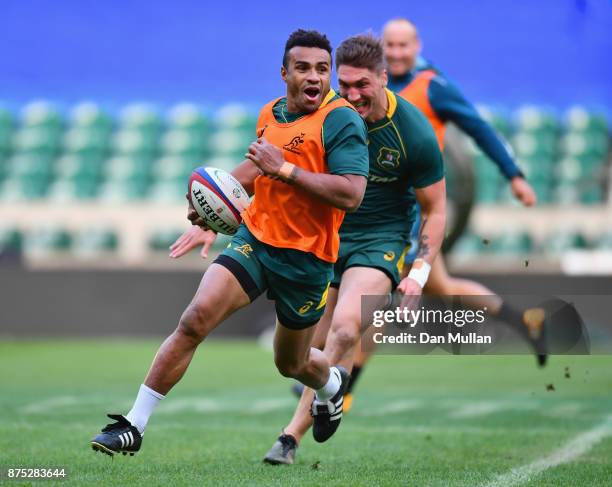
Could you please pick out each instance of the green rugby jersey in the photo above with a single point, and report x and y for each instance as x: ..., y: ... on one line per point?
x: 404, y: 155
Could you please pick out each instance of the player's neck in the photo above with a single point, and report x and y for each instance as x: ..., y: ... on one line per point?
x: 381, y: 109
x: 294, y: 108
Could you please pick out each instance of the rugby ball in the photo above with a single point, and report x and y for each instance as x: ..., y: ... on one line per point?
x: 218, y: 198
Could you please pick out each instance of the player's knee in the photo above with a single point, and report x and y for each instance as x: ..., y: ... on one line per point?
x: 195, y: 321
x: 344, y: 333
x: 288, y: 367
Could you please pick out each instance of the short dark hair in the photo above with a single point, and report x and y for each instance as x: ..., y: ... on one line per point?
x: 306, y: 38
x: 361, y: 51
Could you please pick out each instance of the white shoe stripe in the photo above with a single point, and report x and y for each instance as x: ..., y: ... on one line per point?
x: 338, y: 374
x: 335, y: 417
x: 131, y: 438
x: 339, y: 402
x: 122, y: 440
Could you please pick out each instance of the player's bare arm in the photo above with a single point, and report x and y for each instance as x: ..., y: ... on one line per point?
x: 432, y: 199
x: 246, y: 173
x: 341, y: 191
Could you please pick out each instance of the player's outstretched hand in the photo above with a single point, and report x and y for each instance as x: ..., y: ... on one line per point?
x: 523, y: 191
x: 412, y: 292
x: 267, y: 157
x: 192, y: 238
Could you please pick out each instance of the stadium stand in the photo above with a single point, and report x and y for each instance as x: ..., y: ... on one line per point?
x: 141, y: 156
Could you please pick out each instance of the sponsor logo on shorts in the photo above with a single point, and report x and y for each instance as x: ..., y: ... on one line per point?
x: 389, y: 255
x: 244, y: 249
x: 323, y: 301
x: 304, y: 309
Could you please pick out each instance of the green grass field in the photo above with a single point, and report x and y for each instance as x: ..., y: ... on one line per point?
x: 425, y: 421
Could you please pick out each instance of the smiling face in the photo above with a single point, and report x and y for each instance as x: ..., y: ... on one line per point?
x: 307, y: 76
x: 401, y: 46
x: 365, y: 90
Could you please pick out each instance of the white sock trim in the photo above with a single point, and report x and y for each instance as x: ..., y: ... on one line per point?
x: 332, y: 386
x: 146, y: 402
x: 152, y: 392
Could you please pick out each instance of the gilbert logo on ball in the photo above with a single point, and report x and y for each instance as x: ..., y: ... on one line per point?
x: 218, y: 198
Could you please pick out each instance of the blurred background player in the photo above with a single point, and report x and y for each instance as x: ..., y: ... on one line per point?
x: 422, y: 84
x: 308, y: 182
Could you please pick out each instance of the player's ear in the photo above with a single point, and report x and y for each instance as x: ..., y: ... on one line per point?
x: 284, y: 73
x: 384, y: 77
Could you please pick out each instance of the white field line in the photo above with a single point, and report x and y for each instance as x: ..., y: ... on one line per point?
x: 484, y: 408
x: 251, y: 425
x: 564, y: 410
x: 263, y: 406
x: 459, y: 410
x: 569, y: 452
x: 207, y: 405
x: 199, y: 405
x: 393, y: 408
x: 51, y: 403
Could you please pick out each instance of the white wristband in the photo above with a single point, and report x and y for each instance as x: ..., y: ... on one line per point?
x: 420, y: 271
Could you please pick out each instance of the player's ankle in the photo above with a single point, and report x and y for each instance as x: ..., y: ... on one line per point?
x: 146, y: 402
x: 289, y: 431
x: 331, y: 387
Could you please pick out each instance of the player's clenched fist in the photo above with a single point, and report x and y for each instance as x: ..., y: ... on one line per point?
x: 267, y: 157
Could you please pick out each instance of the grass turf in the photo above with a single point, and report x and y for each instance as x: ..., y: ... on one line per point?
x: 427, y: 421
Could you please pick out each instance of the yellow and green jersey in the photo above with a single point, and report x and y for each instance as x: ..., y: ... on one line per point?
x: 404, y: 155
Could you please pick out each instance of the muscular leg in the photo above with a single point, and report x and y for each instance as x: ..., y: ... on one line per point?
x: 218, y: 296
x: 344, y: 332
x: 294, y: 356
x: 302, y: 420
